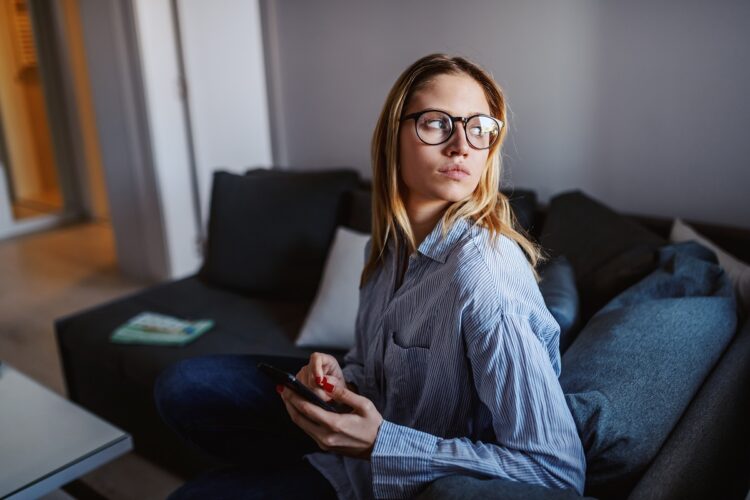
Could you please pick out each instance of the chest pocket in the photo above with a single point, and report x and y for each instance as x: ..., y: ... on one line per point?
x: 415, y: 336
x: 405, y: 373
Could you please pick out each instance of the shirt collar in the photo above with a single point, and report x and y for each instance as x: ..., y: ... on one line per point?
x: 436, y: 247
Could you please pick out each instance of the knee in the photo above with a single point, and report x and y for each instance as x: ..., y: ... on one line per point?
x: 168, y: 389
x: 177, y: 387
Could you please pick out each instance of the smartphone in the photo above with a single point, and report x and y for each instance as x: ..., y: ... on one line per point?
x: 290, y: 381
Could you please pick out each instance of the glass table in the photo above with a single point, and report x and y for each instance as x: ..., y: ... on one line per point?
x: 46, y: 441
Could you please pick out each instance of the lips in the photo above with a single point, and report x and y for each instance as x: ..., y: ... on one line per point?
x: 455, y: 172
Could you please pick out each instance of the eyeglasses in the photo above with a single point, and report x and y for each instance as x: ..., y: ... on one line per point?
x: 435, y: 127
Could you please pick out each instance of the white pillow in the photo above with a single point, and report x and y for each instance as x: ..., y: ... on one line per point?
x: 738, y: 271
x: 331, y: 319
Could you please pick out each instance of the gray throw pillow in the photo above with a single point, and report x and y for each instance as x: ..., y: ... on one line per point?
x: 636, y: 365
x: 608, y: 251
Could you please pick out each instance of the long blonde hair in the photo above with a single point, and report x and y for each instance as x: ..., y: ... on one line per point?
x: 486, y: 206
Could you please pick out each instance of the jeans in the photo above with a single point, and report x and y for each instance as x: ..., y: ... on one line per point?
x: 223, y: 405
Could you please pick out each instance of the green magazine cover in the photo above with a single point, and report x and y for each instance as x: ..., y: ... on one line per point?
x: 159, y: 329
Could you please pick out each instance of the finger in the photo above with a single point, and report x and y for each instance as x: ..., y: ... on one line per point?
x: 360, y: 404
x: 323, y: 365
x: 300, y: 418
x: 313, y: 412
x: 303, y: 375
x: 318, y: 367
x: 312, y: 429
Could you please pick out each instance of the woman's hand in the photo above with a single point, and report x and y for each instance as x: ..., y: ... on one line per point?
x: 352, y: 434
x: 320, y: 368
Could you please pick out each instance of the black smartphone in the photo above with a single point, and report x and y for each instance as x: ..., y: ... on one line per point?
x: 290, y: 381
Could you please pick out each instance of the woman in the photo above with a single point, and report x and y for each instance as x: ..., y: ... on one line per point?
x: 456, y: 360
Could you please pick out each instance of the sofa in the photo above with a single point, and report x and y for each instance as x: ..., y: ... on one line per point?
x: 655, y: 345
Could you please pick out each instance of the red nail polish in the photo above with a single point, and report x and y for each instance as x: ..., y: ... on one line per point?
x: 324, y: 381
x: 279, y: 389
x: 318, y: 380
x: 328, y: 387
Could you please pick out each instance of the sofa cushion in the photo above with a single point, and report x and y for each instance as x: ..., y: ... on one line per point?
x: 608, y: 251
x: 269, y: 231
x: 636, y: 365
x: 523, y: 203
x: 330, y: 323
x: 558, y: 287
x: 359, y: 208
x: 243, y: 324
x: 701, y: 458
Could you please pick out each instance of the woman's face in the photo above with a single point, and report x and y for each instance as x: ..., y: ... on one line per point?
x: 425, y: 169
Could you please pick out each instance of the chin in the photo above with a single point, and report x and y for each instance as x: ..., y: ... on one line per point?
x: 454, y: 194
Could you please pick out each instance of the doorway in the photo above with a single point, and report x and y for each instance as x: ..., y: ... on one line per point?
x: 35, y: 179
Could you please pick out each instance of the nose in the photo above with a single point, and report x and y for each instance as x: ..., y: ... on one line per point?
x: 457, y: 144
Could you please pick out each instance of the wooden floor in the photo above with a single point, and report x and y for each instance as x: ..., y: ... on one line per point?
x: 51, y: 274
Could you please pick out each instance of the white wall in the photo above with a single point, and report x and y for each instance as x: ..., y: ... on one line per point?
x: 641, y: 104
x: 223, y: 50
x: 226, y: 92
x: 158, y: 53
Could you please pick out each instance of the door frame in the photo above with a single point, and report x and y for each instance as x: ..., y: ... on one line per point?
x: 118, y: 95
x: 56, y: 86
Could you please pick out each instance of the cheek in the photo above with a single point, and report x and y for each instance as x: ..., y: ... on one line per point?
x: 408, y: 171
x: 414, y: 163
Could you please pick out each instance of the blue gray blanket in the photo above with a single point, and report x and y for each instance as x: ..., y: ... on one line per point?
x: 636, y: 365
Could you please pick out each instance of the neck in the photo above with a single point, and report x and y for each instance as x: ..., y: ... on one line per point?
x: 423, y: 215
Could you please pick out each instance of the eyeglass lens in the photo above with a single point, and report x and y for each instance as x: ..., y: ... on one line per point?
x: 435, y: 127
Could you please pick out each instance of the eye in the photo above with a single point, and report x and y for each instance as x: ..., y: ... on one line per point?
x: 436, y: 123
x: 478, y: 131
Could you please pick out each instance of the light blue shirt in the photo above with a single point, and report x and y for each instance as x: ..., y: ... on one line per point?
x: 463, y: 362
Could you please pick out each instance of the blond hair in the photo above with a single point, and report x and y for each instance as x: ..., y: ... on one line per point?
x: 486, y: 206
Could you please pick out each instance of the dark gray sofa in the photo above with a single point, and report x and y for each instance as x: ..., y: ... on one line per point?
x: 269, y: 233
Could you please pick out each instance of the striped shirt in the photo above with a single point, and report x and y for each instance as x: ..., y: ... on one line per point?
x: 462, y: 361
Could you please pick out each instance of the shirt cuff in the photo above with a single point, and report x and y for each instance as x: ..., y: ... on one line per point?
x: 401, y: 461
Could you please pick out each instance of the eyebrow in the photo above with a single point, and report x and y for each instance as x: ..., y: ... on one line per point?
x: 470, y: 113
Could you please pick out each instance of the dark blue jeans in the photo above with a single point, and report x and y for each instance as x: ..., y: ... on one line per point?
x: 223, y: 405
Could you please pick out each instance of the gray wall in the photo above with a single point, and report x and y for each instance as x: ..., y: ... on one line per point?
x: 642, y: 104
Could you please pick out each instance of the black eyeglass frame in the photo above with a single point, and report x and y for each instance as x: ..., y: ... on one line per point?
x: 453, y: 120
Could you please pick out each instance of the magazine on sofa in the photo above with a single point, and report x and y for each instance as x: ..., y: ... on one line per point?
x: 154, y: 328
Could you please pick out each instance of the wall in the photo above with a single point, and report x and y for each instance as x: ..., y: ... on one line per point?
x: 672, y: 121
x: 223, y: 51
x: 226, y: 94
x: 641, y: 104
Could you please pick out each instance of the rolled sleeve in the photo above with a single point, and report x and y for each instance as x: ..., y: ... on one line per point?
x: 401, y: 461
x: 536, y: 443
